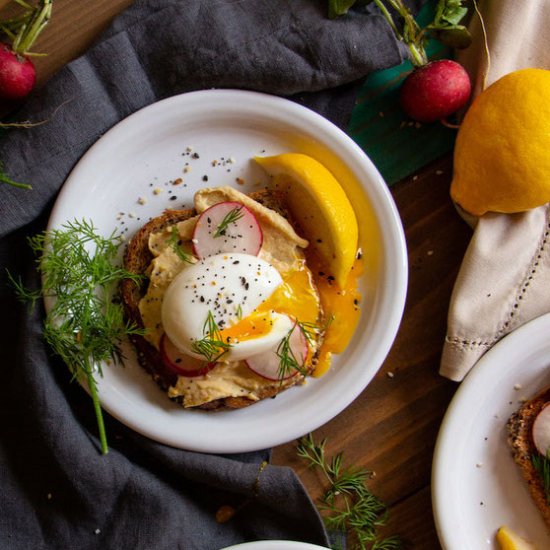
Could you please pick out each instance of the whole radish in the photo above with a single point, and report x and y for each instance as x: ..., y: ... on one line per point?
x: 435, y: 91
x: 17, y: 71
x: 17, y: 74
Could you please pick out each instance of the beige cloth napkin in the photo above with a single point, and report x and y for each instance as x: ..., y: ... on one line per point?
x: 504, y: 279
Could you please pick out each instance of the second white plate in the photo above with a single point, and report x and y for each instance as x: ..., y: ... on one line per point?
x: 476, y: 486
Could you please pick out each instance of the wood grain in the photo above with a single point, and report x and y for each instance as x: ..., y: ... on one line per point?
x: 74, y: 25
x: 391, y: 428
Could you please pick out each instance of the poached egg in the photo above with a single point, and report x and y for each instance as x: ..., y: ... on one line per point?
x: 219, y: 299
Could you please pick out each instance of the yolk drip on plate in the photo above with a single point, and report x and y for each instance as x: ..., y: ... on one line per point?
x: 341, y: 309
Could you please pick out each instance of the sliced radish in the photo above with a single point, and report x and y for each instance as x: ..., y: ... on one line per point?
x: 227, y: 227
x: 541, y: 430
x: 182, y: 364
x: 268, y: 363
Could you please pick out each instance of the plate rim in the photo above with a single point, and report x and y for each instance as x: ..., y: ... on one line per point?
x: 443, y: 447
x: 275, y: 544
x: 346, y: 150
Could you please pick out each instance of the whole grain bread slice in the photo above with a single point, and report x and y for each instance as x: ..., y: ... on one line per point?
x: 137, y: 258
x: 520, y: 439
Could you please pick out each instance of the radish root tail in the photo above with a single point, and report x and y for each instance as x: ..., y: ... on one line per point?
x: 485, y: 45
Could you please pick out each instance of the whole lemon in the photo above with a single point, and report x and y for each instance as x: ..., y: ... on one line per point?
x: 502, y: 150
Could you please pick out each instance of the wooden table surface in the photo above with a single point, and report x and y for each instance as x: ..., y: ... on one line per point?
x: 391, y: 428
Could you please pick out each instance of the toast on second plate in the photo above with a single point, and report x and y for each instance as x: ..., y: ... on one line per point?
x: 526, y: 455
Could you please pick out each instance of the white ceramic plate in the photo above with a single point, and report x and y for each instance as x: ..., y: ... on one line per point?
x: 213, y: 135
x: 275, y: 545
x: 476, y: 487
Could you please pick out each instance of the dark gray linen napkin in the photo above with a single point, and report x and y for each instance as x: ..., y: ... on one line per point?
x: 57, y: 490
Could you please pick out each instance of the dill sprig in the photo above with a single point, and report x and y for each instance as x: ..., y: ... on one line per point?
x: 348, y: 505
x: 542, y: 465
x: 174, y: 241
x: 288, y: 362
x: 231, y: 217
x: 211, y: 346
x: 309, y: 330
x: 84, y: 324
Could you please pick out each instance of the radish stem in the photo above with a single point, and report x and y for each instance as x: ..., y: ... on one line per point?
x: 412, y: 35
x: 30, y: 31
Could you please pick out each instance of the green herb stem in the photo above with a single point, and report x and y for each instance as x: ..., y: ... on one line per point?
x: 347, y: 504
x: 5, y: 179
x: 31, y: 26
x: 542, y: 465
x: 445, y: 26
x: 84, y: 325
x: 211, y: 346
x: 231, y: 217
x: 174, y: 241
x: 288, y: 362
x: 92, y: 385
x: 411, y: 36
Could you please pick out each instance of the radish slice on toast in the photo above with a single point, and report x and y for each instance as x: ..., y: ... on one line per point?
x: 541, y: 430
x: 227, y: 227
x: 182, y: 364
x: 284, y: 360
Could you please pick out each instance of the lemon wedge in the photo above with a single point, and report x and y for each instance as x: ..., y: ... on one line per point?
x: 508, y: 540
x: 320, y: 206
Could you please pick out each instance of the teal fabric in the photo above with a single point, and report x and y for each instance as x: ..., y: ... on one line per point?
x: 398, y: 146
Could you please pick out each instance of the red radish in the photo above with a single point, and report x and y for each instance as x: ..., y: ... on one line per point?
x: 541, y: 431
x: 227, y: 227
x: 182, y: 364
x: 17, y: 74
x: 435, y: 90
x: 268, y: 363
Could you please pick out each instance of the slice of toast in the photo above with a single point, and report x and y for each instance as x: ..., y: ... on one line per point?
x: 137, y: 259
x: 520, y: 440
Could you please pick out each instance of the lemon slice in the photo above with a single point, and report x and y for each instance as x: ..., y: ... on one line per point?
x: 321, y: 207
x: 508, y: 540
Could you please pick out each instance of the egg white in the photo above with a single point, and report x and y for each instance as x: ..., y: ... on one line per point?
x: 230, y: 287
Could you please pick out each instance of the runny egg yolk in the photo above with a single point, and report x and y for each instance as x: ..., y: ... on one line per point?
x: 295, y: 297
x: 255, y: 325
x: 301, y: 295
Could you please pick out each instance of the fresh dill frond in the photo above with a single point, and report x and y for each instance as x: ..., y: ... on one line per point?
x: 174, y: 241
x: 328, y: 322
x: 309, y: 330
x: 312, y: 330
x: 288, y: 362
x: 211, y: 346
x: 542, y: 465
x: 347, y: 504
x: 84, y: 324
x: 231, y: 217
